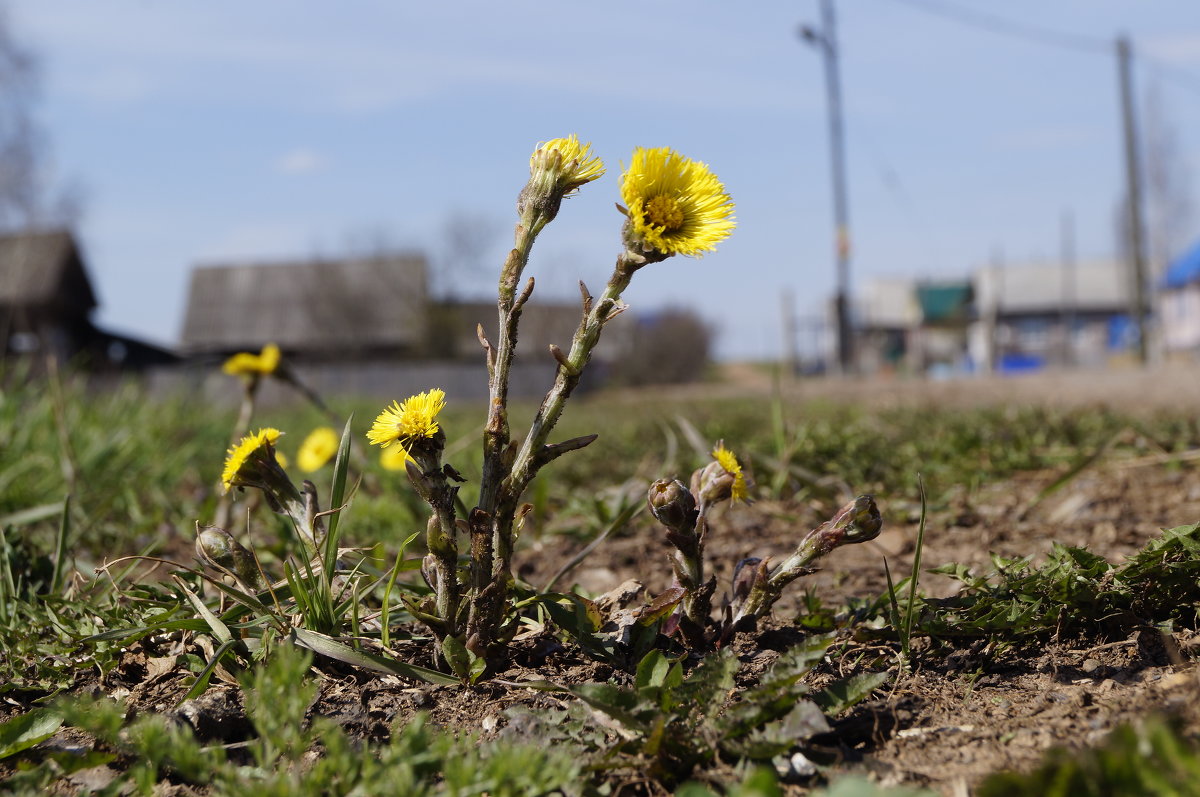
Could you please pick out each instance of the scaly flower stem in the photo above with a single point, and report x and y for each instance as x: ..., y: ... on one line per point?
x: 508, y: 305
x: 531, y: 456
x: 490, y: 588
x: 858, y: 521
x: 697, y: 603
x: 496, y: 436
x: 440, y: 541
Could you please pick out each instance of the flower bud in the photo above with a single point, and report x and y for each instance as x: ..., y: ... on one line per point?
x: 720, y: 479
x: 217, y: 547
x: 857, y: 521
x: 672, y: 504
x: 745, y: 574
x: 557, y: 169
x: 429, y: 571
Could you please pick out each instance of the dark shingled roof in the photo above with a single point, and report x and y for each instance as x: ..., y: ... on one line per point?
x: 43, y: 270
x: 374, y: 303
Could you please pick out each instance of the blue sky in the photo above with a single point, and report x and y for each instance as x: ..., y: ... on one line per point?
x: 212, y: 131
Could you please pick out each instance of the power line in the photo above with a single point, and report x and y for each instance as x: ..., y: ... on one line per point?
x: 1008, y: 27
x: 1047, y: 36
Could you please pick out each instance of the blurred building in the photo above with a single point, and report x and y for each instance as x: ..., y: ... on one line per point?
x: 914, y: 326
x: 1034, y: 315
x: 315, y: 310
x: 1180, y: 305
x: 1008, y: 318
x: 46, y: 304
x: 888, y: 317
x: 369, y: 327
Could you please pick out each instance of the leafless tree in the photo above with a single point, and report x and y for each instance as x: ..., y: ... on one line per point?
x: 1169, y: 204
x: 466, y: 238
x: 1168, y: 210
x: 26, y: 199
x: 670, y: 346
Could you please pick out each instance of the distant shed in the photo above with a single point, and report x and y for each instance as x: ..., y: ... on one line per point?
x: 46, y: 302
x: 314, y: 310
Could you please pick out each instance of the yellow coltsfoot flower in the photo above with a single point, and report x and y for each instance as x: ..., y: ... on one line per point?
x: 675, y: 205
x: 247, y: 457
x: 404, y: 422
x: 557, y: 169
x: 246, y: 363
x: 567, y: 162
x: 317, y: 449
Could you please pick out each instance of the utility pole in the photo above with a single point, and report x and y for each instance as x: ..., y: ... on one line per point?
x: 1069, y: 287
x: 1137, y: 259
x: 826, y: 39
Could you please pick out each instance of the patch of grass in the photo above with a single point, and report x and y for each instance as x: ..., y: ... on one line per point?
x: 280, y: 758
x: 1155, y: 756
x: 1073, y: 591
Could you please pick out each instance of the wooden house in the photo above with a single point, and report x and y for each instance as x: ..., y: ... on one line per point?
x: 46, y: 303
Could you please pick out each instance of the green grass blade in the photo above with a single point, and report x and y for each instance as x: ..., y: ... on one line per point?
x: 916, y: 566
x: 894, y: 608
x: 201, y: 682
x: 340, y: 467
x: 60, y: 547
x: 327, y: 646
x: 219, y: 629
x: 32, y: 515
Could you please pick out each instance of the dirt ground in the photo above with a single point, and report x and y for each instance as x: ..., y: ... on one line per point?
x: 944, y: 725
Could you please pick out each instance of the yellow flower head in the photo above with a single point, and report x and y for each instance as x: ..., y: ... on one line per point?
x: 676, y: 205
x: 244, y: 363
x: 240, y: 454
x: 403, y: 422
x: 317, y: 449
x: 576, y: 165
x: 726, y: 459
x: 394, y: 458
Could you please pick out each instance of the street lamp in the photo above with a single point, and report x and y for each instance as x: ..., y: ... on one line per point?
x: 825, y: 39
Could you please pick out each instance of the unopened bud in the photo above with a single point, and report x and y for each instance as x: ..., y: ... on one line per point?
x: 744, y: 575
x: 672, y: 504
x: 712, y: 483
x: 429, y: 571
x: 217, y: 547
x: 859, y: 520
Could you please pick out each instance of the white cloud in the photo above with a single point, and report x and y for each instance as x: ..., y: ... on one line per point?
x: 301, y: 160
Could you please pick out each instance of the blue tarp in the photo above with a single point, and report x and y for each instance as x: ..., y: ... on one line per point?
x: 1184, y: 270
